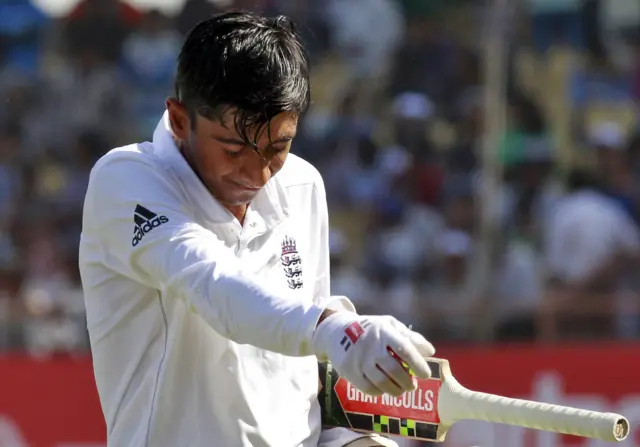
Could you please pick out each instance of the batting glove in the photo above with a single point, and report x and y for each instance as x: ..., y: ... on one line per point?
x: 369, y: 352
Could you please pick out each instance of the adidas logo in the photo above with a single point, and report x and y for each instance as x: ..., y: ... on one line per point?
x: 145, y: 221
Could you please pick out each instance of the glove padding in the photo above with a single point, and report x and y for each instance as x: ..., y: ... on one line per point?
x: 368, y: 351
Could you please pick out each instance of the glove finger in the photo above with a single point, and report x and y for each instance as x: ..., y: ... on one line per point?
x: 424, y: 347
x: 382, y: 381
x: 397, y: 372
x: 364, y: 384
x: 403, y: 348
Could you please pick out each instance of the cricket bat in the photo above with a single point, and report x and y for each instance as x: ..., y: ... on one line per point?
x: 439, y: 402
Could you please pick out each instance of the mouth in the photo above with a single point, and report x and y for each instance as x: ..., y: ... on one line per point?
x: 247, y: 187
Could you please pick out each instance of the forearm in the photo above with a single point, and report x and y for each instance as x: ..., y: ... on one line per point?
x: 242, y: 310
x: 234, y: 302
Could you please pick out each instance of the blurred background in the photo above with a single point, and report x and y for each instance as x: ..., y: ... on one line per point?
x: 482, y: 166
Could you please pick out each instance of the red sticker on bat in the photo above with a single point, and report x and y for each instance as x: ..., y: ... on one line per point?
x: 420, y: 404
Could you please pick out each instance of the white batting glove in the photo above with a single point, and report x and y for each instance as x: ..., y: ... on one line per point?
x: 368, y: 351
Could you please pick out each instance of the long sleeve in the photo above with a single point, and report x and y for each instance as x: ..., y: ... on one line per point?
x: 180, y: 258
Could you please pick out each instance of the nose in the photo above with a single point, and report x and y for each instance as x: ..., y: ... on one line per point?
x: 258, y: 170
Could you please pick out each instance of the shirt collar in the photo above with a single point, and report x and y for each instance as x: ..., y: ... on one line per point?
x: 270, y: 205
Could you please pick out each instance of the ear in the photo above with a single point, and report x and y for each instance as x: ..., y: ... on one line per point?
x: 178, y: 119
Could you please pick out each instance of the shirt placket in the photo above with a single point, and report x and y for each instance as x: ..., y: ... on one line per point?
x: 253, y: 227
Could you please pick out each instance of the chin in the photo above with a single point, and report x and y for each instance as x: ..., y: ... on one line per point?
x: 230, y: 196
x: 239, y: 199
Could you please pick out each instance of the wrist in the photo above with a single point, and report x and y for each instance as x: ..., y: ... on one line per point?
x: 326, y: 334
x: 325, y: 314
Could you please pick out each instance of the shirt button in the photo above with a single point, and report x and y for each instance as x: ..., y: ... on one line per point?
x: 253, y: 224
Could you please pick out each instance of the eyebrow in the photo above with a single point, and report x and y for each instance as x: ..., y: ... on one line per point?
x: 239, y: 142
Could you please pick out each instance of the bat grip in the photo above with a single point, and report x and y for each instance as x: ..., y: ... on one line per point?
x: 456, y: 403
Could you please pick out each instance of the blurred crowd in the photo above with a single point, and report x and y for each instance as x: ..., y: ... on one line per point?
x: 398, y: 128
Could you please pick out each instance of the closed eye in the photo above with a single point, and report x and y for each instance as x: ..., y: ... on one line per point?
x: 234, y: 154
x: 276, y: 149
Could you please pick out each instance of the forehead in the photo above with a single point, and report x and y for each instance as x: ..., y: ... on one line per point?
x: 281, y: 127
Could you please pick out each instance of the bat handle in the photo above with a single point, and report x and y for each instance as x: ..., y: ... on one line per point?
x: 456, y: 403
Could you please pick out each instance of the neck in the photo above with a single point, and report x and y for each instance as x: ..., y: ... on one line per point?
x: 239, y: 211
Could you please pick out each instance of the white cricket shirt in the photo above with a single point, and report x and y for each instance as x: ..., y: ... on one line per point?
x: 200, y: 328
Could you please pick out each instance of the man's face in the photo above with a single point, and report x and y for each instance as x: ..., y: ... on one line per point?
x: 231, y: 169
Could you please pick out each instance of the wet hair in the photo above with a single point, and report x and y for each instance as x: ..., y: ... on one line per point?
x: 252, y: 64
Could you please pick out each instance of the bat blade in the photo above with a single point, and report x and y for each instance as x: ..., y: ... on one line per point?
x: 413, y: 415
x: 429, y: 412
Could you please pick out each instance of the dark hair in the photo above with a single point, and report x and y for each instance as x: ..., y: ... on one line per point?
x: 242, y: 61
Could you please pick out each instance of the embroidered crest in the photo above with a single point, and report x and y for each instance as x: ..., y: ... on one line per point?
x: 291, y: 263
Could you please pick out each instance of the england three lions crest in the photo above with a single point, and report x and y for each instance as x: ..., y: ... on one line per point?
x: 291, y: 263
